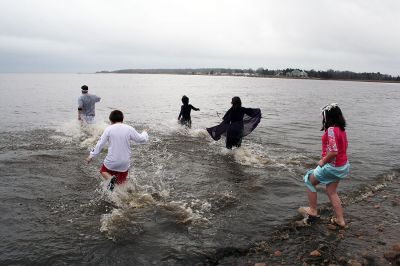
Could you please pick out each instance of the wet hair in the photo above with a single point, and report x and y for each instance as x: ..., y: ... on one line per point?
x: 116, y: 116
x: 84, y: 89
x: 185, y: 100
x: 332, y: 116
x: 236, y: 102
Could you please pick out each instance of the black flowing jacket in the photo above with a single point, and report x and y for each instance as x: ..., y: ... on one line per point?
x: 237, y: 123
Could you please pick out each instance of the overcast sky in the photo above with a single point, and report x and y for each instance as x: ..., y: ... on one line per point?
x: 91, y: 35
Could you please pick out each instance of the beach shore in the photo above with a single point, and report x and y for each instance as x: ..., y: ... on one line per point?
x: 372, y: 235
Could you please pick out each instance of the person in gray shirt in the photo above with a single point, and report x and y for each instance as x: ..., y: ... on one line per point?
x: 86, y: 105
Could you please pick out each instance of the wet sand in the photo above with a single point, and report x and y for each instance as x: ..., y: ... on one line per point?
x: 372, y: 236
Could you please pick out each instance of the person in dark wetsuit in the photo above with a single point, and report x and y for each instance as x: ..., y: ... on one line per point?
x: 184, y: 116
x: 237, y: 123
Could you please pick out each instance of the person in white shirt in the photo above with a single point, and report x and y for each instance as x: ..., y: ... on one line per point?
x: 119, y: 136
x: 86, y: 105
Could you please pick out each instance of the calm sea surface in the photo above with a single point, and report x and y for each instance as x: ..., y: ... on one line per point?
x: 187, y: 195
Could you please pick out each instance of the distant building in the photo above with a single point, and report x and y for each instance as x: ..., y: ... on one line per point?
x: 237, y: 74
x: 297, y: 73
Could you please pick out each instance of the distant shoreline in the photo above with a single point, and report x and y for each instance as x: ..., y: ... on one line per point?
x: 159, y: 72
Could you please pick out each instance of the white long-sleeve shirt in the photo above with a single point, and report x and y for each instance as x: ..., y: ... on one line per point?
x: 119, y: 137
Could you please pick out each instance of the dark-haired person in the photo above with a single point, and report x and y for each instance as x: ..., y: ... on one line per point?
x: 184, y: 116
x: 86, y: 105
x: 333, y: 166
x: 119, y: 137
x: 237, y: 123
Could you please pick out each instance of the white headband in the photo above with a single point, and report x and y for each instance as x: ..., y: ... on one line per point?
x: 329, y: 107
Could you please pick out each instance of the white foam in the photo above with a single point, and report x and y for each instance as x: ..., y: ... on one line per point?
x: 198, y: 133
x: 86, y: 134
x: 249, y: 156
x: 140, y: 194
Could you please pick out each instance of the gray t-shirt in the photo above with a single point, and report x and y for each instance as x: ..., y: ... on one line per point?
x: 87, y: 103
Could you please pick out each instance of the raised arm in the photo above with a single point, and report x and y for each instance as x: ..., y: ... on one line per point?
x: 194, y: 108
x: 252, y: 111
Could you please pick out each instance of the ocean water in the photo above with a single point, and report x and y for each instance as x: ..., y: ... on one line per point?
x: 187, y: 196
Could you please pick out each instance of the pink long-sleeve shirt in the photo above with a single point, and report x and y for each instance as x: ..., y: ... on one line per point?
x: 335, y: 140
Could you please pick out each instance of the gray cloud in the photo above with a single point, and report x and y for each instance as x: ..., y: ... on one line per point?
x: 91, y: 35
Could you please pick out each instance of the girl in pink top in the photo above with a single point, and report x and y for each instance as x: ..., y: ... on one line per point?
x: 332, y: 167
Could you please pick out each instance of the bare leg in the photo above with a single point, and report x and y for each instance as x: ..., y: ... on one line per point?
x: 336, y: 203
x: 312, y: 197
x: 106, y: 175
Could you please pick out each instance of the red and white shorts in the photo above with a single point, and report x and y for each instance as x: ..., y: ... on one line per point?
x: 121, y: 176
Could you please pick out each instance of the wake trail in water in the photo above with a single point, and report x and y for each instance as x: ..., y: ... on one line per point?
x: 151, y: 193
x: 137, y: 205
x: 147, y: 194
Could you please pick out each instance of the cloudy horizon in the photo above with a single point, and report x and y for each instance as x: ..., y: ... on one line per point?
x: 95, y: 35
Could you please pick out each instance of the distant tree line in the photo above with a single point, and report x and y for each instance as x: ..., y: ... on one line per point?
x: 263, y: 72
x: 331, y: 74
x: 334, y: 74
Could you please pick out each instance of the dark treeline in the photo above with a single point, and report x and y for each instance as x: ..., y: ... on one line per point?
x: 263, y: 72
x: 331, y: 74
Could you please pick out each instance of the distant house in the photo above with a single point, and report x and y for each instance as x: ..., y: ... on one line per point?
x: 237, y: 74
x: 297, y: 73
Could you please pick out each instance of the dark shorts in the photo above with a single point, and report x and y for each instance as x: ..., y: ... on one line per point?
x: 121, y: 176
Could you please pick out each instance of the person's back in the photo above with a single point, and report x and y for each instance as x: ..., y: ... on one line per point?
x: 235, y: 114
x: 119, y: 136
x: 86, y: 105
x: 88, y: 102
x: 184, y: 115
x: 234, y: 123
x: 119, y: 151
x: 185, y: 111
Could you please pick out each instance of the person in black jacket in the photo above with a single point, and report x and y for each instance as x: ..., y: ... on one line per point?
x: 237, y: 123
x: 184, y: 116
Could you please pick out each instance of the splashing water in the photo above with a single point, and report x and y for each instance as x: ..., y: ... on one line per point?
x: 141, y: 200
x: 250, y: 157
x: 86, y: 134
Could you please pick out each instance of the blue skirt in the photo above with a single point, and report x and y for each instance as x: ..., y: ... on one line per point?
x: 327, y: 174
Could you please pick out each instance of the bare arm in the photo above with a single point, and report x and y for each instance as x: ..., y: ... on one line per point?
x: 194, y: 108
x: 328, y: 158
